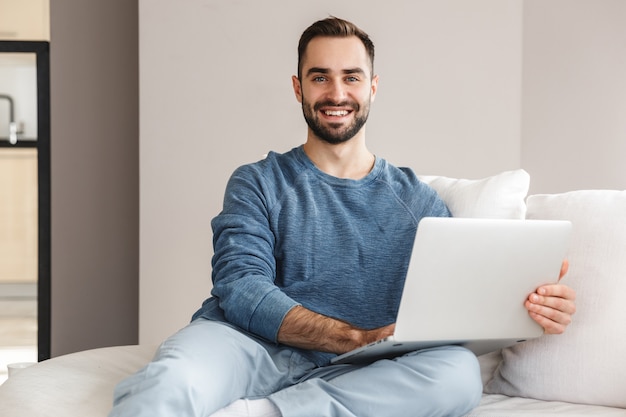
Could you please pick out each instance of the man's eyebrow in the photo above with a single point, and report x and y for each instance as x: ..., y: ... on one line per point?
x: 320, y: 70
x: 356, y: 70
x: 317, y: 70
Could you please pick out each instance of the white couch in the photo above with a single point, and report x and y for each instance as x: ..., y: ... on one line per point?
x: 579, y: 373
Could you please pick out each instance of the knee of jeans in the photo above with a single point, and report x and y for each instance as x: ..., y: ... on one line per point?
x: 165, y: 382
x: 460, y: 378
x: 453, y: 376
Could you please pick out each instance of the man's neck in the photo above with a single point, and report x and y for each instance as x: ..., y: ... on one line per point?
x: 350, y: 160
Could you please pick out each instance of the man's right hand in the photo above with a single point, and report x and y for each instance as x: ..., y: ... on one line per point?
x: 305, y: 329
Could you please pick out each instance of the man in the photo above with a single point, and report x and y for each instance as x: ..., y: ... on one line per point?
x: 311, y: 250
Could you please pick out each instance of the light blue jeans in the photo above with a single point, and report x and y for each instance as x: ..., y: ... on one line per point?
x: 207, y: 365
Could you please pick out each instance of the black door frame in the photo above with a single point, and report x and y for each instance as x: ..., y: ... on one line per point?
x: 42, y: 51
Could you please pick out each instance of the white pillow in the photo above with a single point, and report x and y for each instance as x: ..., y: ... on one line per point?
x: 586, y: 364
x: 500, y: 196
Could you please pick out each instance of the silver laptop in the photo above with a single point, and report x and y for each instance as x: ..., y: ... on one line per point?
x: 467, y: 282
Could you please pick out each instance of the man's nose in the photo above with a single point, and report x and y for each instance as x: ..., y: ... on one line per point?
x: 337, y: 91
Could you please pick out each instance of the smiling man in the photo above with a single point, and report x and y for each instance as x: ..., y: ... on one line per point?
x: 311, y: 250
x: 338, y: 100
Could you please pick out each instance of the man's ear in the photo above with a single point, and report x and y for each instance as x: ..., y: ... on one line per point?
x: 297, y: 88
x: 374, y: 87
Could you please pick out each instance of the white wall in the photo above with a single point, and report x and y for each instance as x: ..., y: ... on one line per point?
x: 446, y: 96
x: 574, y: 95
x: 215, y: 93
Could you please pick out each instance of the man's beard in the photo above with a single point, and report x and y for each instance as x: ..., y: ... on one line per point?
x: 334, y: 133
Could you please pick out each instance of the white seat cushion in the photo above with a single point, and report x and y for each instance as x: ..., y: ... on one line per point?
x: 79, y: 384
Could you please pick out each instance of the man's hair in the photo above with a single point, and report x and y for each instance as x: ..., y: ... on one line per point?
x: 337, y: 28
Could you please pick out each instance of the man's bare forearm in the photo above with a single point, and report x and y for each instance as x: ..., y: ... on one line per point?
x: 306, y: 329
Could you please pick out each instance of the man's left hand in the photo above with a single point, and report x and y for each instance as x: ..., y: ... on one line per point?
x: 552, y: 306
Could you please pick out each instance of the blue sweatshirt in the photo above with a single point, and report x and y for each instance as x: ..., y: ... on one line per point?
x: 291, y: 235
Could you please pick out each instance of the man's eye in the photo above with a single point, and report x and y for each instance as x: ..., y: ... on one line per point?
x: 319, y: 79
x: 352, y: 79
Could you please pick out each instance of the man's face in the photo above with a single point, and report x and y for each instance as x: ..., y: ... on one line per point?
x: 335, y: 88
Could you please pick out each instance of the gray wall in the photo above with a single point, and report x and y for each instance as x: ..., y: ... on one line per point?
x: 95, y: 183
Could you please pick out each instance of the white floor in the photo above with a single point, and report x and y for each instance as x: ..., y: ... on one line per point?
x: 18, y: 331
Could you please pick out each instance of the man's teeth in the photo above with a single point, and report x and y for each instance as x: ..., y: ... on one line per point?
x: 336, y: 112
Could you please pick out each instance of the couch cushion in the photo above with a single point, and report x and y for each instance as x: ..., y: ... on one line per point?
x: 78, y: 384
x: 499, y: 196
x: 493, y: 405
x: 587, y: 363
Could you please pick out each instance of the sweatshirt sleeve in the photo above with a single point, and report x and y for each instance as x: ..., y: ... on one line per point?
x: 244, y: 267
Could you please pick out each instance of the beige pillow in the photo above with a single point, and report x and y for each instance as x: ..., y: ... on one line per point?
x: 499, y: 196
x: 586, y: 364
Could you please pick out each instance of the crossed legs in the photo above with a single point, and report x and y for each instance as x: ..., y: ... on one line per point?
x: 208, y: 365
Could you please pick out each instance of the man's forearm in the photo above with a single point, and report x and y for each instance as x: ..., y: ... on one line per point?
x: 306, y: 329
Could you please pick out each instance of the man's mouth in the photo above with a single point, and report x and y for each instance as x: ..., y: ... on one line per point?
x: 337, y: 113
x: 336, y: 110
